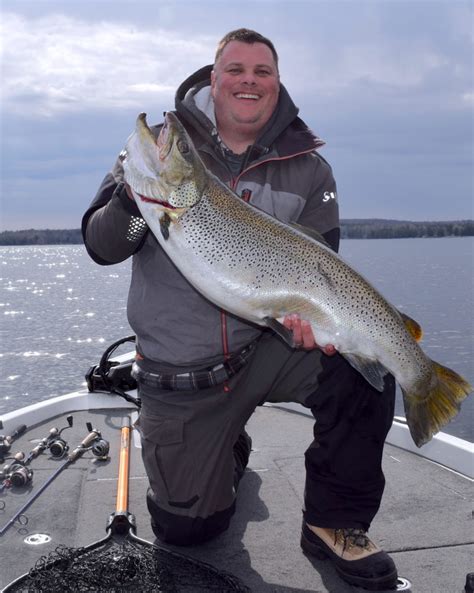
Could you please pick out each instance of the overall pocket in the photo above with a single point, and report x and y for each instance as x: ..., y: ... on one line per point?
x: 168, y: 460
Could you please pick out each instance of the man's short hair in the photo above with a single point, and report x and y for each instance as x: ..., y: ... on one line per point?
x: 245, y: 36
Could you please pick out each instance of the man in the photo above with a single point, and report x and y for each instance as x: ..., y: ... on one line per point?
x: 201, y: 372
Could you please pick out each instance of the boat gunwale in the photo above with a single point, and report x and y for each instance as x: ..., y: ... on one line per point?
x: 449, y: 451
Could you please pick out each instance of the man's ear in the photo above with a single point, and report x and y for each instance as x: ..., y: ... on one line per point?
x: 213, y: 82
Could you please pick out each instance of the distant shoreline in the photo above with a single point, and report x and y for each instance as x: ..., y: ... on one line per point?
x: 355, y: 228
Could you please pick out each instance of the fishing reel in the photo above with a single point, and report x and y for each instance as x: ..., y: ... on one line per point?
x: 100, y: 447
x: 5, y: 444
x: 21, y: 475
x: 16, y: 473
x: 6, y: 440
x: 57, y: 446
x: 111, y: 376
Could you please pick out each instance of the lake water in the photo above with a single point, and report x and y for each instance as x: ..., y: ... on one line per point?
x: 59, y: 311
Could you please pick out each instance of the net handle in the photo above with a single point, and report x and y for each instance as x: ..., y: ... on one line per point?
x: 124, y: 468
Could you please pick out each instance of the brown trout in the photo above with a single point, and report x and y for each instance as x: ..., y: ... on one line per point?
x: 261, y: 269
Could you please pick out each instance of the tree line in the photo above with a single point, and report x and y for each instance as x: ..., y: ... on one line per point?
x: 41, y: 237
x: 402, y: 229
x: 350, y: 229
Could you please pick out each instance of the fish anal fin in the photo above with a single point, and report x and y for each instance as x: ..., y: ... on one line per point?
x: 413, y: 327
x: 284, y: 333
x: 372, y: 370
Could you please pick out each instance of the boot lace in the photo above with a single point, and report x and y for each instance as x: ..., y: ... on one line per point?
x: 352, y: 537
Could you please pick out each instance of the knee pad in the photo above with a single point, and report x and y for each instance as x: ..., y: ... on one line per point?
x: 181, y: 530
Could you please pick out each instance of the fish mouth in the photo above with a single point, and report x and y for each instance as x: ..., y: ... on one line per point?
x: 164, y: 141
x: 163, y: 203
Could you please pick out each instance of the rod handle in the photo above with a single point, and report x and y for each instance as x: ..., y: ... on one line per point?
x: 19, y: 430
x: 124, y: 468
x: 80, y: 449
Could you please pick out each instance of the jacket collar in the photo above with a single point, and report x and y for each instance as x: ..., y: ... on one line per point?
x: 284, y: 134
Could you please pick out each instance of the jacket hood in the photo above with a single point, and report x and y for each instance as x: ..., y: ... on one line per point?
x: 195, y: 105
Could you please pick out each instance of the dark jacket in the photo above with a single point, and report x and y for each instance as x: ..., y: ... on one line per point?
x: 281, y: 173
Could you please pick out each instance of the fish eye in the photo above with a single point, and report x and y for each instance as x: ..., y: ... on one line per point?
x: 183, y: 146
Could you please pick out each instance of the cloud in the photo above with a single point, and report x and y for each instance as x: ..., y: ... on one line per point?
x: 419, y: 73
x: 388, y: 85
x: 61, y: 64
x: 69, y: 63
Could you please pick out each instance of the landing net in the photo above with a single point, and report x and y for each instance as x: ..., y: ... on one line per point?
x: 122, y: 562
x: 115, y: 567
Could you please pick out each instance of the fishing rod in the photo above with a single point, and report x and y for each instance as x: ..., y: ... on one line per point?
x: 7, y: 440
x: 122, y: 561
x: 17, y: 473
x: 93, y: 441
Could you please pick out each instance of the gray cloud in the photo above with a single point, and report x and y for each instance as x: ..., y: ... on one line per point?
x: 58, y: 64
x: 388, y: 85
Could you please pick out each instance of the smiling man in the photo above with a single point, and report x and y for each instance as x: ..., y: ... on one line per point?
x: 245, y: 85
x: 202, y: 372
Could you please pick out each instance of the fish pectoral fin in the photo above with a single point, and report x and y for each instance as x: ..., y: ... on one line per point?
x: 284, y: 333
x: 372, y: 370
x: 164, y: 226
x: 413, y: 327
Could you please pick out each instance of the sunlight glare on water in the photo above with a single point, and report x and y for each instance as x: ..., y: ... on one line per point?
x: 53, y: 327
x: 60, y: 310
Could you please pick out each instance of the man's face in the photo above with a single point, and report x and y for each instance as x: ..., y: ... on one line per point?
x: 245, y: 86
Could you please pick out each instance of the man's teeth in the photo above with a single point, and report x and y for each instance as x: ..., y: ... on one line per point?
x: 246, y: 96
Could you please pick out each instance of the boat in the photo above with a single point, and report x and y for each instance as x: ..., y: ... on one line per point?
x: 425, y: 521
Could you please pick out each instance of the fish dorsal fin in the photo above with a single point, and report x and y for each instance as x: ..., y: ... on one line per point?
x: 372, y: 370
x: 413, y: 327
x: 309, y: 232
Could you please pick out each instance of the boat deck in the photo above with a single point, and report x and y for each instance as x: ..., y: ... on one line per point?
x: 425, y: 521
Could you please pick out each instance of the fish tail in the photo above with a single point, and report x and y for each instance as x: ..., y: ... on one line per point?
x: 426, y: 415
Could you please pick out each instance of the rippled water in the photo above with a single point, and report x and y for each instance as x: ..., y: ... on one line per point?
x: 59, y: 310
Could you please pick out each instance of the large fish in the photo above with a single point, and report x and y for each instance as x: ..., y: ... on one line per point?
x: 261, y: 269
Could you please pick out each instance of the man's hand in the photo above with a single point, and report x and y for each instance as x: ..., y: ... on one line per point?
x: 303, y: 334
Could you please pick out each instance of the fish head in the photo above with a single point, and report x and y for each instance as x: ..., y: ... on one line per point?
x: 165, y: 170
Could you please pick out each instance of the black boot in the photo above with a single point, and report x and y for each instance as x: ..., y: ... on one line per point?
x: 356, y: 558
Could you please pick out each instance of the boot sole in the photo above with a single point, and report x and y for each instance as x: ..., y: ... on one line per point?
x: 385, y: 583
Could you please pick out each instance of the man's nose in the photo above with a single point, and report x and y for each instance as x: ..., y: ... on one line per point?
x: 248, y: 78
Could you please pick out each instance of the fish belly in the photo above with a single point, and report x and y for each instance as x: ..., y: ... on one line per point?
x: 251, y: 265
x: 257, y: 268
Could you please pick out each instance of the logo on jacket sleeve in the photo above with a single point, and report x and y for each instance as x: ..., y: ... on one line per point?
x: 329, y: 195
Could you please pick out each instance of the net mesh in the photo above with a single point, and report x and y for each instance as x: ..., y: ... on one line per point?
x: 121, y: 567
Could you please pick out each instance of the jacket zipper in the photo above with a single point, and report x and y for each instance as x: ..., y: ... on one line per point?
x: 233, y: 184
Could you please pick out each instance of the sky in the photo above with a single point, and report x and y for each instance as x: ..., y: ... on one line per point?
x: 388, y: 84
